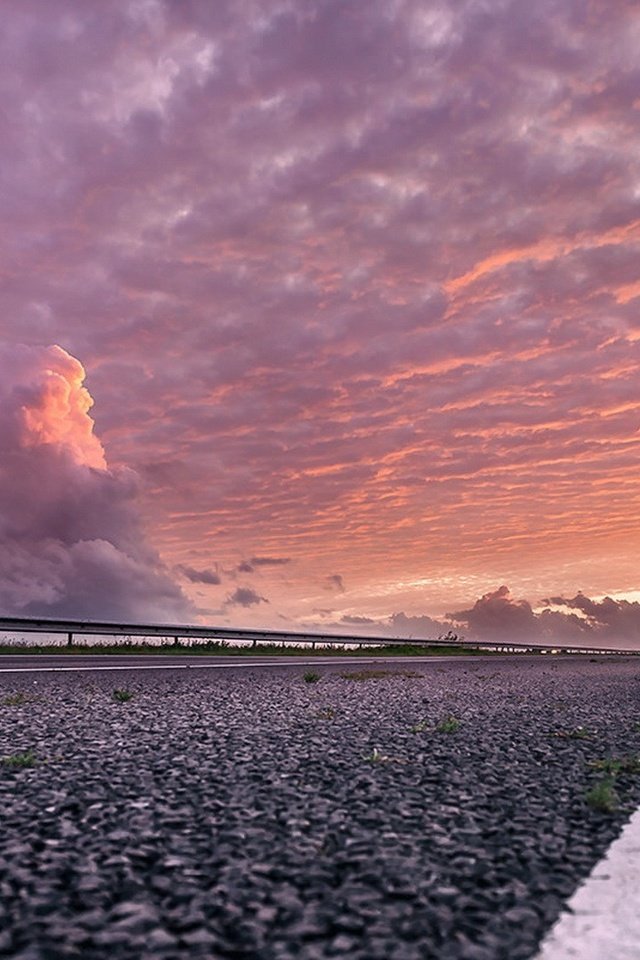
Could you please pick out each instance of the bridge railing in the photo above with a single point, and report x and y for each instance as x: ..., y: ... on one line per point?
x: 180, y: 632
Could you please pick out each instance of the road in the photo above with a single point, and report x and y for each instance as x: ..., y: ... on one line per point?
x: 69, y: 662
x: 396, y: 809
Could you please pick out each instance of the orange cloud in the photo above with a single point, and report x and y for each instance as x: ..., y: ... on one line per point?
x: 57, y: 410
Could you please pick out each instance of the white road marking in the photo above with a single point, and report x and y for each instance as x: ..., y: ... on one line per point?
x: 604, y: 918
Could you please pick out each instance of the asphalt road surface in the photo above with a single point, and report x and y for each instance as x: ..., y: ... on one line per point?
x: 24, y: 662
x: 392, y: 811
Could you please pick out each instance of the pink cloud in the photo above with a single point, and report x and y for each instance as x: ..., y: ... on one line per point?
x: 72, y: 544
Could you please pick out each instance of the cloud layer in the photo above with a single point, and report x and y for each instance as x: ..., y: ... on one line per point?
x: 355, y: 285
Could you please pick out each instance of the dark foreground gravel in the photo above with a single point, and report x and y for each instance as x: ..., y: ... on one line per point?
x: 248, y: 814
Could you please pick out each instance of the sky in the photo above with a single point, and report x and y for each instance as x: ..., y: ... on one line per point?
x: 322, y: 314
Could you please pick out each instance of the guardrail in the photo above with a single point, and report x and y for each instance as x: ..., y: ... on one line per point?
x: 178, y: 632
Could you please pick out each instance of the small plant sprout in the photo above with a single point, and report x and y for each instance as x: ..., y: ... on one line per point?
x: 376, y: 756
x: 16, y: 699
x: 612, y: 766
x: 580, y: 733
x: 450, y: 724
x: 121, y: 696
x: 327, y: 713
x: 602, y: 797
x: 310, y: 676
x: 18, y: 761
x: 420, y: 726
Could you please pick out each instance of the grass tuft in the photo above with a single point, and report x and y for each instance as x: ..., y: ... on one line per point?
x: 18, y: 761
x: 448, y: 725
x: 420, y: 726
x: 602, y: 797
x: 16, y: 699
x: 613, y: 766
x: 310, y: 676
x: 122, y: 695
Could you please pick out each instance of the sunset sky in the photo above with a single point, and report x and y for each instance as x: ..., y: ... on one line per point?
x: 322, y: 313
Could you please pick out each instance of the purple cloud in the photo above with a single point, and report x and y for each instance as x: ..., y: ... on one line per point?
x: 244, y: 597
x: 209, y: 577
x: 71, y: 542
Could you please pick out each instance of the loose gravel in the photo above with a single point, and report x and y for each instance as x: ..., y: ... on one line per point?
x: 251, y: 814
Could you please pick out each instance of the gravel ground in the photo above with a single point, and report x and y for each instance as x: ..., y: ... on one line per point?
x: 249, y: 814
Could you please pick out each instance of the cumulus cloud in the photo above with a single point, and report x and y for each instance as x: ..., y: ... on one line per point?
x: 496, y: 615
x: 500, y: 617
x: 71, y: 543
x: 402, y: 625
x: 579, y: 619
x: 244, y: 597
x: 606, y: 618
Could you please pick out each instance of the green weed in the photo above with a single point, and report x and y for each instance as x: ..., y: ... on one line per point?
x: 122, y: 695
x: 18, y: 761
x: 420, y: 726
x: 448, y: 725
x: 602, y: 797
x: 613, y: 766
x: 16, y: 700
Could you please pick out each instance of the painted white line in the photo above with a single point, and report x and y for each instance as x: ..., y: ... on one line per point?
x: 604, y: 921
x: 223, y: 666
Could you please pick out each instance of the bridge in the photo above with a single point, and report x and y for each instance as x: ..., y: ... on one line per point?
x: 179, y: 632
